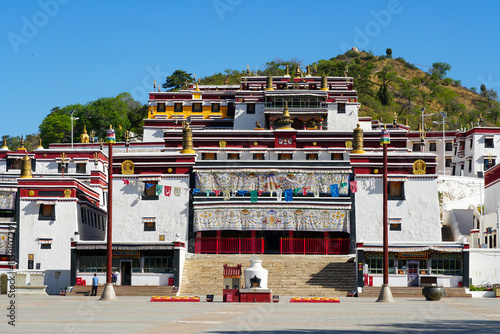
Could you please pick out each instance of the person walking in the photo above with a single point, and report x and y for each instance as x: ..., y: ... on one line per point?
x: 95, y: 283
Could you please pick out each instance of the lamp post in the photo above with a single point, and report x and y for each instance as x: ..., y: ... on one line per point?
x: 108, y: 294
x: 72, y: 119
x: 385, y: 293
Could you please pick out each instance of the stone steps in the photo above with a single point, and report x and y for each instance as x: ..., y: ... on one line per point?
x: 298, y: 275
x: 373, y: 292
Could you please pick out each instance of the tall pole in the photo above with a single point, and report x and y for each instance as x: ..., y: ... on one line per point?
x: 444, y: 152
x: 385, y: 293
x: 108, y: 293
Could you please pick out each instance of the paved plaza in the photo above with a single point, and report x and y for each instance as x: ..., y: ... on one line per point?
x: 76, y: 314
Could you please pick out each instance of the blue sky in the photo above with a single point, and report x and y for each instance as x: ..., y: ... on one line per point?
x: 60, y: 52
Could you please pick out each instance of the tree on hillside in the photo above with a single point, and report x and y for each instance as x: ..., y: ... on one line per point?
x: 278, y: 66
x: 386, y: 75
x: 175, y: 81
x: 388, y: 52
x: 440, y: 69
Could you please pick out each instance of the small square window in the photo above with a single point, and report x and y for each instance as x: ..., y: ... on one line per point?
x: 150, y: 190
x: 46, y: 246
x: 197, y: 107
x: 209, y: 156
x: 448, y: 162
x: 416, y: 147
x: 161, y: 107
x: 60, y: 167
x: 216, y: 107
x: 251, y: 108
x: 396, y: 190
x: 395, y: 227
x: 341, y: 108
x: 81, y: 168
x: 448, y: 146
x: 284, y: 156
x: 178, y: 107
x: 488, y: 164
x: 432, y: 147
x: 488, y: 142
x: 47, y: 212
x: 150, y: 226
x: 233, y: 156
x: 337, y: 156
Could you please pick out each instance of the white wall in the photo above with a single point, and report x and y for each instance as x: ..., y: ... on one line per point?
x: 484, y: 266
x: 419, y: 211
x: 129, y: 208
x: 345, y: 121
x: 55, y: 262
x: 244, y: 121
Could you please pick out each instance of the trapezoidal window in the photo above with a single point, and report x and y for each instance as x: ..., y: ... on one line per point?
x: 396, y: 190
x: 47, y: 212
x: 197, y: 107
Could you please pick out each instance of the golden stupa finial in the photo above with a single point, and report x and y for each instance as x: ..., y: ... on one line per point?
x: 22, y: 148
x: 357, y: 145
x: 395, y: 120
x: 287, y: 74
x: 197, y: 88
x: 298, y: 72
x: 308, y: 70
x: 285, y: 119
x: 39, y: 144
x: 269, y: 82
x: 187, y: 139
x: 5, y: 147
x: 406, y: 121
x: 84, y: 137
x: 324, y: 82
x: 26, y: 167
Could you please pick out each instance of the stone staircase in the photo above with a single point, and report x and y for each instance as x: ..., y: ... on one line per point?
x: 125, y: 290
x: 409, y: 292
x: 289, y: 275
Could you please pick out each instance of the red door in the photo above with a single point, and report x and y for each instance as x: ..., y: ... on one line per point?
x: 412, y: 273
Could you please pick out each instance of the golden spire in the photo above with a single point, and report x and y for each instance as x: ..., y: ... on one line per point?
x: 357, y: 145
x: 269, y: 83
x: 26, y: 167
x: 39, y: 144
x: 197, y: 88
x: 84, y: 137
x: 287, y: 75
x: 187, y: 139
x: 22, y: 148
x: 5, y: 147
x: 324, y: 82
x: 406, y: 121
x: 285, y: 120
x: 298, y: 72
x: 308, y: 69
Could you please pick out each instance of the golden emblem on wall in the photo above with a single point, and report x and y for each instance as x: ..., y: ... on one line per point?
x: 348, y: 144
x: 222, y: 144
x: 31, y: 193
x: 169, y: 170
x: 127, y: 167
x: 419, y: 167
x: 67, y: 193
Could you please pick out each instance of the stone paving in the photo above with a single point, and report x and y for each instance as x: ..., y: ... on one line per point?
x: 76, y: 314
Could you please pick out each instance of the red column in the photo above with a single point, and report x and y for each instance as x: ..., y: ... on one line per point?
x: 327, y: 241
x: 197, y: 243
x: 254, y: 233
x: 290, y: 242
x: 219, y: 233
x: 386, y: 230
x: 109, y: 253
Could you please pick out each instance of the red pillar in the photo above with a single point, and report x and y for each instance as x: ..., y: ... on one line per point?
x: 290, y: 242
x: 386, y: 230
x: 109, y: 253
x: 254, y: 234
x: 327, y: 241
x: 219, y: 234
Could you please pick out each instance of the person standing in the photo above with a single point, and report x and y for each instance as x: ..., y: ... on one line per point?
x: 95, y: 283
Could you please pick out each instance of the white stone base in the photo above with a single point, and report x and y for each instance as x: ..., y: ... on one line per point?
x: 31, y: 290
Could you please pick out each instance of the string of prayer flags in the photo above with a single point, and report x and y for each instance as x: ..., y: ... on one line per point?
x: 177, y: 191
x: 343, y: 185
x: 149, y: 185
x: 242, y: 192
x: 126, y: 182
x: 297, y: 191
x: 279, y: 193
x: 304, y: 191
x: 217, y: 192
x: 288, y: 195
x: 334, y: 190
x: 196, y: 190
x: 226, y: 194
x: 253, y: 196
x: 168, y: 190
x: 208, y: 193
x: 354, y: 186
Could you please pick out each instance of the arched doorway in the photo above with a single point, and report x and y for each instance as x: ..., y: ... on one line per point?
x: 3, y: 284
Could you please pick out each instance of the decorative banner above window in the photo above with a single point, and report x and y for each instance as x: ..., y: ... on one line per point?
x: 6, y: 242
x: 267, y: 182
x: 267, y: 219
x: 7, y: 200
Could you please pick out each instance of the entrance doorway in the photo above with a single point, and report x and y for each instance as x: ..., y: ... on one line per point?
x: 272, y: 241
x: 3, y: 284
x: 126, y: 272
x: 412, y: 270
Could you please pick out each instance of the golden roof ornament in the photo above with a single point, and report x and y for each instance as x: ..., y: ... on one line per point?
x: 269, y: 82
x: 197, y: 88
x: 298, y: 72
x: 187, y: 139
x: 287, y: 74
x: 308, y: 70
x: 22, y: 148
x: 285, y: 120
x: 324, y: 82
x: 84, y: 137
x: 26, y: 167
x: 39, y: 147
x: 357, y: 145
x: 5, y: 147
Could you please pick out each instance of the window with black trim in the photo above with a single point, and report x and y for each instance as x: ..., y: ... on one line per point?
x: 447, y: 162
x: 396, y: 190
x: 150, y: 190
x: 337, y: 156
x: 488, y: 143
x: 81, y: 167
x: 47, y: 212
x: 197, y: 107
x: 161, y: 107
x: 250, y: 108
x: 209, y: 156
x: 215, y: 107
x: 432, y: 147
x: 233, y: 156
x: 448, y: 146
x: 470, y: 143
x: 46, y: 246
x: 312, y: 156
x: 395, y: 227
x: 416, y: 147
x: 13, y: 164
x: 488, y: 164
x: 284, y: 156
x: 258, y: 156
x: 149, y: 226
x: 178, y: 107
x: 469, y: 163
x: 341, y: 108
